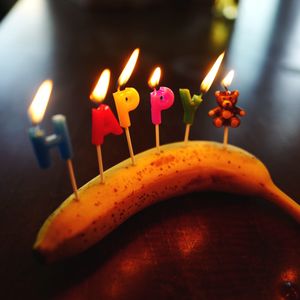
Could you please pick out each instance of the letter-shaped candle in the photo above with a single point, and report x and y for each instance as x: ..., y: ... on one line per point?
x: 61, y: 139
x: 103, y: 123
x: 191, y: 104
x: 103, y: 120
x: 127, y: 100
x: 160, y: 100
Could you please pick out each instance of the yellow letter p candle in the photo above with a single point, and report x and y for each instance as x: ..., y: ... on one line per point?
x: 127, y: 100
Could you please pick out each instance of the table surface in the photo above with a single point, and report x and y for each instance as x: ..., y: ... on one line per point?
x: 204, y: 245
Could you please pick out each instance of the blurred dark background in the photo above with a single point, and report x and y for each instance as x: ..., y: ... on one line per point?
x: 200, y: 246
x: 5, y: 6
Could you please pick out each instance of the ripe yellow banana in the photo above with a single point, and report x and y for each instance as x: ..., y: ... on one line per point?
x: 178, y: 169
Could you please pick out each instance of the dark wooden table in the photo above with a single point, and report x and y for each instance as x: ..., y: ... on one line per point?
x: 200, y: 246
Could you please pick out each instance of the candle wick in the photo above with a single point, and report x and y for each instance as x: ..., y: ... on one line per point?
x: 36, y: 125
x: 38, y: 129
x: 226, y: 88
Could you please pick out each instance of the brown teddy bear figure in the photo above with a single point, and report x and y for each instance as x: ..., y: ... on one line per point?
x: 225, y: 114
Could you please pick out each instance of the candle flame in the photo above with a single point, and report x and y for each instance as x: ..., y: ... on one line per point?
x: 155, y: 77
x: 39, y: 103
x: 228, y: 79
x: 128, y: 69
x: 100, y: 90
x: 209, y: 78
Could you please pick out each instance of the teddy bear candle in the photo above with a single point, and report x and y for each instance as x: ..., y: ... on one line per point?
x: 103, y: 119
x: 226, y: 113
x: 160, y: 99
x: 191, y: 104
x: 127, y: 100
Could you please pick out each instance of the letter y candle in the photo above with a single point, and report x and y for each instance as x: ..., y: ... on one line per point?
x: 191, y: 104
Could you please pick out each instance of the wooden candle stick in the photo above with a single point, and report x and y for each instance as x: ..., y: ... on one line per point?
x: 72, y: 178
x: 187, y: 132
x: 100, y: 163
x: 225, y: 138
x: 157, y: 136
x: 127, y: 132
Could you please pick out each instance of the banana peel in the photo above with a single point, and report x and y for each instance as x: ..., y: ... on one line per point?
x: 178, y: 168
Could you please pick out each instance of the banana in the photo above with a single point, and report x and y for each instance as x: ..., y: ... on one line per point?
x: 178, y: 168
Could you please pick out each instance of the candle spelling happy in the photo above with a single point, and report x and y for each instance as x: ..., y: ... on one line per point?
x: 191, y: 104
x: 103, y: 120
x: 160, y: 99
x: 226, y: 113
x: 127, y: 100
x: 42, y: 143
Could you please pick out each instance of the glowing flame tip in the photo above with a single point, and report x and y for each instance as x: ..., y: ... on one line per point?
x: 209, y: 78
x: 128, y: 69
x: 228, y: 79
x: 155, y: 77
x: 39, y: 103
x: 100, y: 90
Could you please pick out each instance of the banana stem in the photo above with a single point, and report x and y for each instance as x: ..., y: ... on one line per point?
x: 157, y: 136
x: 100, y: 163
x: 72, y: 178
x: 187, y: 133
x: 277, y: 196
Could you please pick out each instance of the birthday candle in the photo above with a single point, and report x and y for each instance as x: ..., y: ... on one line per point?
x: 60, y: 139
x: 160, y: 100
x: 103, y: 119
x: 226, y: 113
x: 191, y: 104
x: 127, y: 100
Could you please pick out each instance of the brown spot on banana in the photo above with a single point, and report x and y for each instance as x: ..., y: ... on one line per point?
x: 178, y: 169
x: 164, y: 160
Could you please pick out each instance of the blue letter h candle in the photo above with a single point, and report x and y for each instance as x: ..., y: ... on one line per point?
x: 60, y: 138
